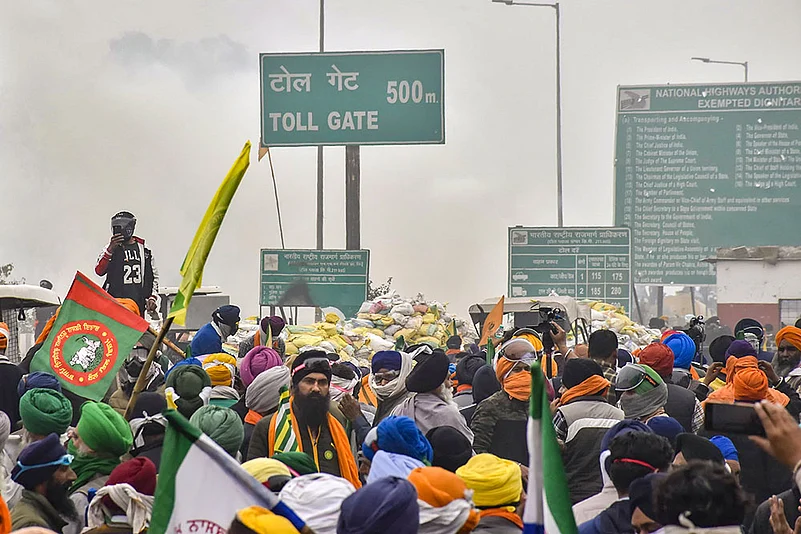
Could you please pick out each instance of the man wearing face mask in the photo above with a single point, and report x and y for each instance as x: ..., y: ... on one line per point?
x: 431, y: 404
x: 499, y: 422
x: 388, y: 381
x: 129, y: 374
x: 128, y: 265
x: 211, y: 336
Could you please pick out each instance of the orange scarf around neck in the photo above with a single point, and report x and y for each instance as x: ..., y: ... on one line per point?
x: 594, y: 385
x: 507, y: 512
x: 347, y: 464
x: 253, y: 417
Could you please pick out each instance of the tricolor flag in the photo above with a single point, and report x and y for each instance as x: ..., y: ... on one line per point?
x: 201, y: 487
x: 195, y: 260
x: 548, y: 507
x: 91, y: 337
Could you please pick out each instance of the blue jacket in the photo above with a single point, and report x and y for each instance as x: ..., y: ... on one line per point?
x: 614, y: 520
x: 206, y: 341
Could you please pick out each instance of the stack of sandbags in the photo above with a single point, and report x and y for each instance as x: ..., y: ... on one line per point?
x: 378, y: 326
x: 328, y: 335
x: 416, y: 320
x: 631, y: 335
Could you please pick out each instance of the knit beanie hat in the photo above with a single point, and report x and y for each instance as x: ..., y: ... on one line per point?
x: 451, y: 448
x: 35, y: 463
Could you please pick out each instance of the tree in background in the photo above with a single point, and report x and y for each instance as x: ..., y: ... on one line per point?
x: 373, y: 292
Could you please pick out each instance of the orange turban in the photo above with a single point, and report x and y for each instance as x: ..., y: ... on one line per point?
x: 5, y: 518
x: 130, y: 305
x: 439, y: 488
x: 750, y: 384
x: 436, y: 486
x: 4, y: 335
x: 790, y: 334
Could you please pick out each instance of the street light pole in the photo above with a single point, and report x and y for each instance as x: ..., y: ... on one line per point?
x: 320, y: 173
x: 559, y: 202
x: 555, y: 6
x: 743, y: 64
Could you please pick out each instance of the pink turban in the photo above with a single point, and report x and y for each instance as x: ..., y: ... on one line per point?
x: 258, y: 360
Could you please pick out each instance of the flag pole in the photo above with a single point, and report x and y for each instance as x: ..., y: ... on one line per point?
x: 169, y: 344
x: 151, y: 356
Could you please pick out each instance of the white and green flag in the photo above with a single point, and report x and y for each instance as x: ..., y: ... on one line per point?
x: 201, y: 488
x: 548, y: 507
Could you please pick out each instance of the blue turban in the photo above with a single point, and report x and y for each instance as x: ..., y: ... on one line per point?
x: 38, y: 380
x: 386, y: 505
x: 667, y: 427
x: 400, y: 435
x: 386, y: 359
x: 726, y: 447
x: 185, y: 361
x: 623, y: 427
x: 683, y: 348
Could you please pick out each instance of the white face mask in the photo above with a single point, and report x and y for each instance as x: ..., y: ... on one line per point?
x: 341, y: 387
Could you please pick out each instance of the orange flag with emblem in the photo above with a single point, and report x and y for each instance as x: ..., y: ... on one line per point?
x: 492, y: 323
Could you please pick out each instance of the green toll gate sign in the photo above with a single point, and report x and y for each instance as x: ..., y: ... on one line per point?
x: 352, y: 98
x: 699, y: 167
x: 585, y: 263
x: 315, y: 278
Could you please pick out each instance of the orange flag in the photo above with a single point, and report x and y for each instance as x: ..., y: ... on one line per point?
x: 492, y: 323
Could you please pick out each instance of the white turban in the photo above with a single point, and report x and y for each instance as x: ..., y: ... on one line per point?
x: 317, y: 498
x: 262, y: 394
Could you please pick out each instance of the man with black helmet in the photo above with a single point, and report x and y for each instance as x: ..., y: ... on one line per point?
x: 128, y: 265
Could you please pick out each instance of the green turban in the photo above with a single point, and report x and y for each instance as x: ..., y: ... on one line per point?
x: 104, y: 430
x: 192, y: 386
x: 300, y: 462
x: 44, y: 411
x: 222, y: 425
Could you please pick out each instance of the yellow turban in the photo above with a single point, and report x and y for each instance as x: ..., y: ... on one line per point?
x: 263, y: 468
x: 495, y: 482
x: 263, y: 521
x: 531, y: 338
x: 221, y: 368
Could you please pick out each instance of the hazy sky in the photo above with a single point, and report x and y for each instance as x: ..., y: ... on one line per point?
x: 143, y: 105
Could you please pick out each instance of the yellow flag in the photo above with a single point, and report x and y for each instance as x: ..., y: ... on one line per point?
x: 195, y: 261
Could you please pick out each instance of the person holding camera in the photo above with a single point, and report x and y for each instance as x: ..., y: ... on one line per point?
x: 128, y: 265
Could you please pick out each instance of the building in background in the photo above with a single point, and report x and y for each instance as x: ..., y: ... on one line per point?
x: 763, y: 283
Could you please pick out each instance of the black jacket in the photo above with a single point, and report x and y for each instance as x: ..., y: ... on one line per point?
x: 761, y: 523
x: 761, y: 475
x: 681, y: 405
